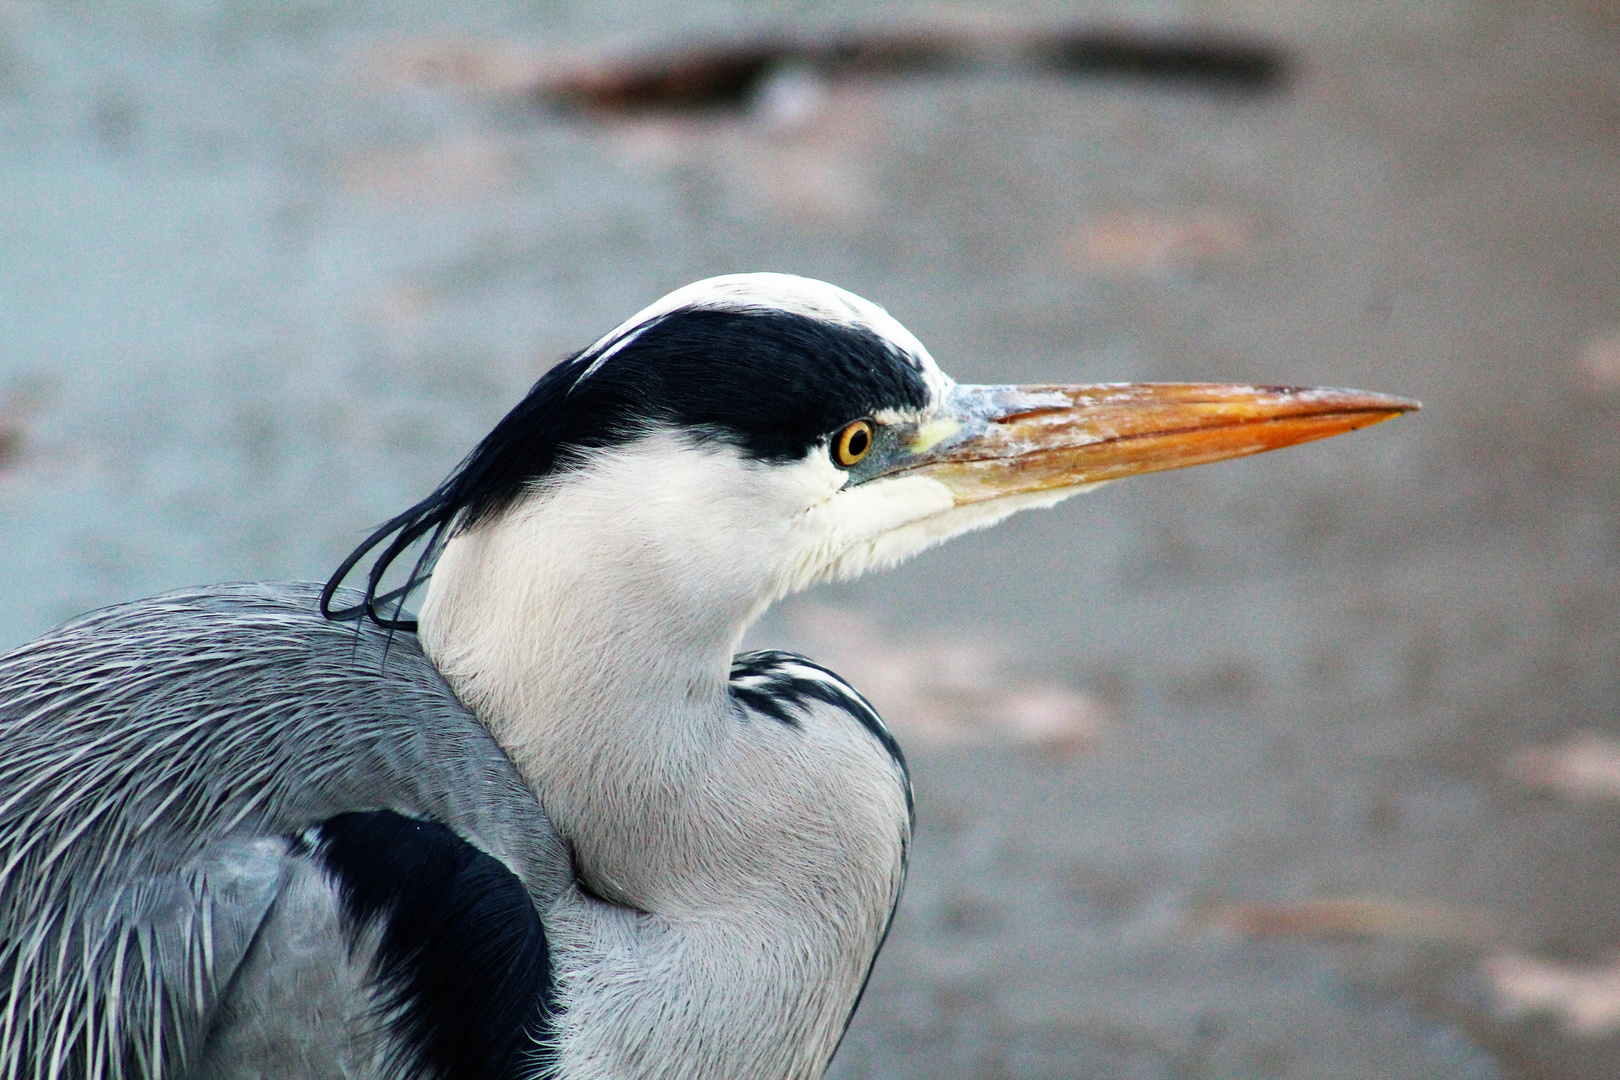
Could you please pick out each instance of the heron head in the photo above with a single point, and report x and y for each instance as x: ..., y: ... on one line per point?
x: 754, y: 434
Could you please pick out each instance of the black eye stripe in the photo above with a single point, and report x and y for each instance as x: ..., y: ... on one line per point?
x: 771, y: 383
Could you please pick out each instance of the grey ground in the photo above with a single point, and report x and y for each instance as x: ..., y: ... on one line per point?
x: 260, y: 288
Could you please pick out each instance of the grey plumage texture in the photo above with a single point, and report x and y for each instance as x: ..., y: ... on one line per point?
x: 239, y: 841
x: 151, y: 872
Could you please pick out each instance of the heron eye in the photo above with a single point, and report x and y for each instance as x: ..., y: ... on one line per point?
x: 852, y: 443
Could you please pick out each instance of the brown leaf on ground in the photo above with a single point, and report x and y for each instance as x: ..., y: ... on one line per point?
x: 1143, y: 244
x: 477, y: 65
x: 1586, y: 767
x: 12, y: 438
x: 19, y: 402
x: 1600, y: 360
x: 403, y: 305
x: 809, y: 185
x: 1585, y: 999
x: 445, y: 171
x: 951, y: 692
x: 1229, y: 681
x: 1348, y: 918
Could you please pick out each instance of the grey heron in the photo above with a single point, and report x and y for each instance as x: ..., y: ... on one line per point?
x: 554, y: 826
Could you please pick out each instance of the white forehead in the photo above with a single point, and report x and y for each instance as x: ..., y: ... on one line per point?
x: 776, y: 292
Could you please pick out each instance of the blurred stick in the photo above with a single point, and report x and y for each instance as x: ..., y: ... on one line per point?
x: 726, y: 74
x: 1349, y: 918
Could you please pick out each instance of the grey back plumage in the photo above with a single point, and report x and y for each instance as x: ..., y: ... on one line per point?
x: 159, y: 762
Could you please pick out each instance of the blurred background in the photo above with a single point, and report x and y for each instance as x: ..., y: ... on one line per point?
x: 1299, y: 766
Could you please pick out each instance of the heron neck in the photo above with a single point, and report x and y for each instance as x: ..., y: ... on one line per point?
x: 602, y: 668
x: 752, y: 865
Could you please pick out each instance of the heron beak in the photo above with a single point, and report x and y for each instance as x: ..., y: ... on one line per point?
x: 989, y: 442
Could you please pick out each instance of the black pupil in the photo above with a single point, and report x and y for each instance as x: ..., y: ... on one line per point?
x: 856, y: 446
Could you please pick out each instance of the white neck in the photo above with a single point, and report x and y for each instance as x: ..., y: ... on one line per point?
x: 592, y: 629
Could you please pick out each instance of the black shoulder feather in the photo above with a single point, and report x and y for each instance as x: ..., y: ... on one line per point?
x: 463, y: 971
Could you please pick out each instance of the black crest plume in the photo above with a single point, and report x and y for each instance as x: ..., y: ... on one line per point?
x: 772, y: 383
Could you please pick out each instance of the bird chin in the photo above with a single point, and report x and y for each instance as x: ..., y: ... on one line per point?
x: 902, y: 543
x: 885, y: 522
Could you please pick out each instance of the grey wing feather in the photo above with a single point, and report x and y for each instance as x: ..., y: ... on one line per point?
x: 295, y: 1006
x: 158, y: 762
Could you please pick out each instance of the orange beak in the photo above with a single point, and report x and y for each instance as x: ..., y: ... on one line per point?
x: 994, y: 441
